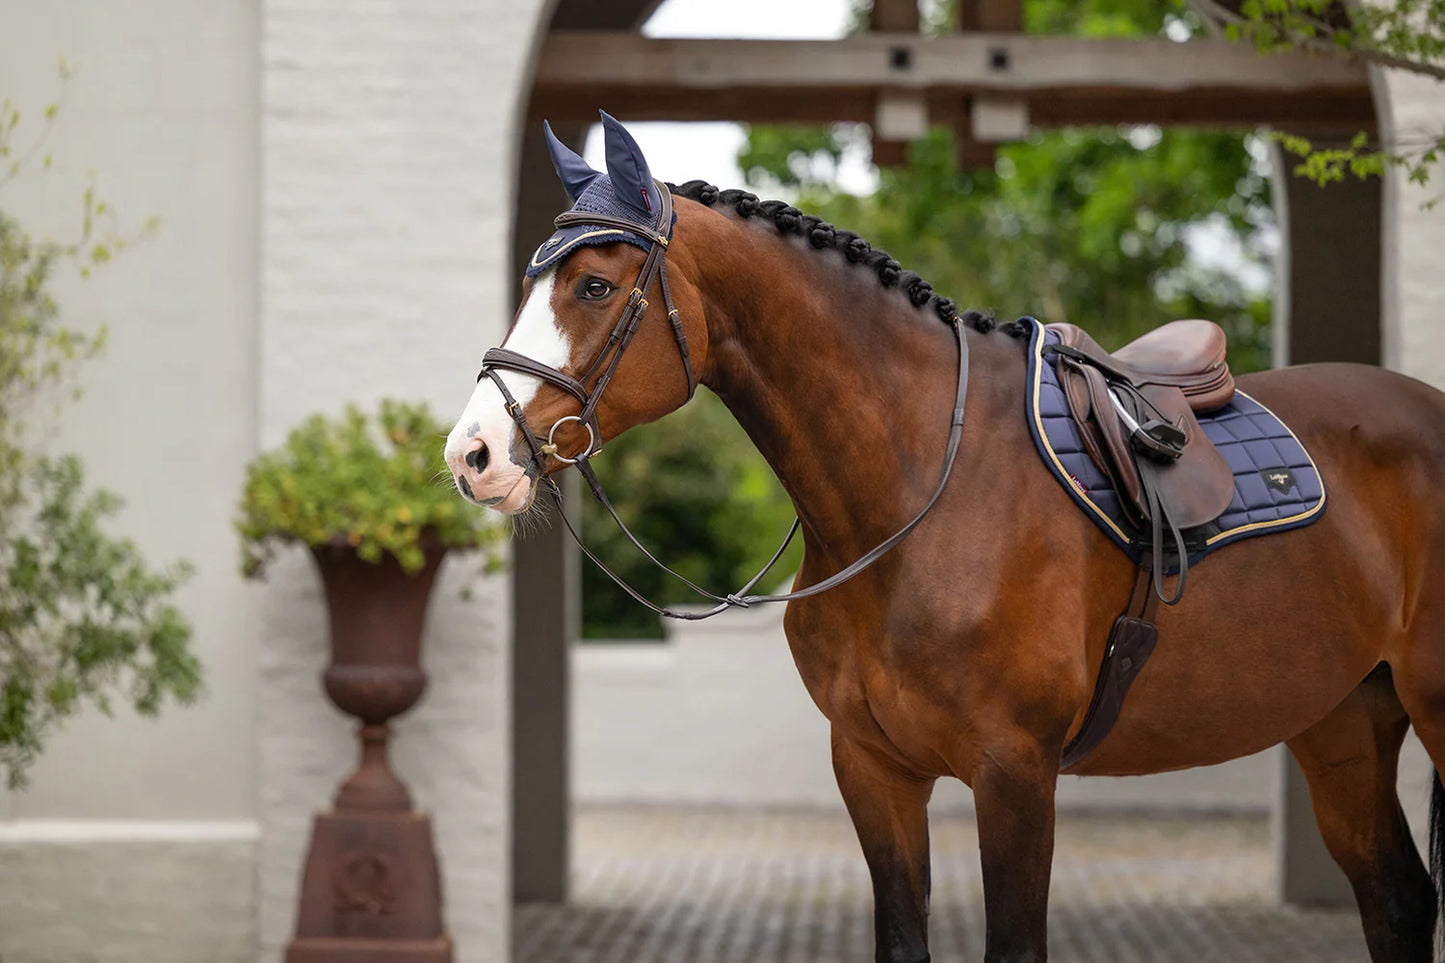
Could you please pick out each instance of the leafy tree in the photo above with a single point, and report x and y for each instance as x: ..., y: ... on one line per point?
x: 1404, y: 35
x: 83, y: 619
x: 1085, y: 226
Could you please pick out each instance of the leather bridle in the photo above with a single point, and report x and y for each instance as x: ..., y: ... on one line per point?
x: 604, y: 366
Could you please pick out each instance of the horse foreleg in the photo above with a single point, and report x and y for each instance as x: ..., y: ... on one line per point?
x: 1349, y: 759
x: 1013, y: 791
x: 889, y: 808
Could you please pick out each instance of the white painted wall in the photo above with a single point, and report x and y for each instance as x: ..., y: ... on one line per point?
x: 134, y: 830
x: 163, y: 110
x: 335, y: 185
x: 1414, y: 236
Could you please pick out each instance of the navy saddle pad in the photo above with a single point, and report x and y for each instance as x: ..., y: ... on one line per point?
x: 1276, y: 484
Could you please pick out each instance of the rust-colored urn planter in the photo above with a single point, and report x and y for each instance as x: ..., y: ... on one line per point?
x: 371, y: 892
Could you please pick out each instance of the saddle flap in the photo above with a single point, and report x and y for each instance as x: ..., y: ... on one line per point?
x: 1198, y: 487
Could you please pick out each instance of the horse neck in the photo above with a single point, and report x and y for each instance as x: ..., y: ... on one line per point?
x: 844, y: 386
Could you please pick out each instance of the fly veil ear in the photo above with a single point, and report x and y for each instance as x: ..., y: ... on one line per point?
x: 574, y: 172
x: 631, y: 178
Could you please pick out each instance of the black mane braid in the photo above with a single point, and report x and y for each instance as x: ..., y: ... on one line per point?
x: 822, y: 235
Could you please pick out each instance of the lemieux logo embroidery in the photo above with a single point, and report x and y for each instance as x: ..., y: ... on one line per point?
x: 552, y: 241
x: 1279, y: 479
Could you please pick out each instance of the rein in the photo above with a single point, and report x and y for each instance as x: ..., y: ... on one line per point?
x: 604, y: 366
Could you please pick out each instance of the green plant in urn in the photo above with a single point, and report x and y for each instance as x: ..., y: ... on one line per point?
x: 359, y: 482
x: 370, y: 497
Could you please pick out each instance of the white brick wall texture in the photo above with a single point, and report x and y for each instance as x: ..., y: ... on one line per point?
x: 387, y: 170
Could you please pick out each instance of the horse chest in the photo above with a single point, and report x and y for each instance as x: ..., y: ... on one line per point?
x: 854, y: 679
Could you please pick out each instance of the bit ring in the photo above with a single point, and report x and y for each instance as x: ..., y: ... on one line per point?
x: 551, y: 447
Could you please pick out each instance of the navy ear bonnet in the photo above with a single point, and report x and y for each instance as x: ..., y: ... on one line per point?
x: 626, y: 191
x: 596, y: 199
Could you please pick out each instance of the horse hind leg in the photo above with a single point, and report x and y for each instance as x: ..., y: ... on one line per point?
x: 1350, y: 761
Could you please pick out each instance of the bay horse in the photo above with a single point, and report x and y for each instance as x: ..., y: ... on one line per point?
x: 970, y: 650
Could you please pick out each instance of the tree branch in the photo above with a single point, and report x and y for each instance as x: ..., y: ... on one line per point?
x: 1213, y: 11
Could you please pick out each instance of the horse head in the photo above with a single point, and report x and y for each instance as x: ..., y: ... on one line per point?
x: 608, y: 335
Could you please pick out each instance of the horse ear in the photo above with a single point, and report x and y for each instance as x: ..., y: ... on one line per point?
x: 627, y: 168
x: 575, y: 172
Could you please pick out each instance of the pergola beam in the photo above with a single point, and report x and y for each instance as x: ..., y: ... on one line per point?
x: 1064, y: 80
x: 899, y: 16
x: 899, y: 116
x: 990, y: 15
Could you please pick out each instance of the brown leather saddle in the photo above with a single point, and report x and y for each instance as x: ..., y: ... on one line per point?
x: 1135, y: 411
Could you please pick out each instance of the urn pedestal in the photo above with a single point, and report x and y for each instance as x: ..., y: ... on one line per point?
x: 371, y: 891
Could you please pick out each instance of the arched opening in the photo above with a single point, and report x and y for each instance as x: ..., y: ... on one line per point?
x: 1329, y: 277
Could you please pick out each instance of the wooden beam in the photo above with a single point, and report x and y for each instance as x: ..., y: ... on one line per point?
x: 991, y: 15
x: 1064, y: 80
x: 982, y: 15
x: 957, y: 113
x: 898, y: 16
x: 965, y: 62
x: 890, y: 153
x: 890, y: 133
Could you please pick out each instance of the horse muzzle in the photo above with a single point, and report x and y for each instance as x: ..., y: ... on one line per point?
x: 485, y: 479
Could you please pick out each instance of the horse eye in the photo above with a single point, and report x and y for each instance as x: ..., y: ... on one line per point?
x: 595, y: 289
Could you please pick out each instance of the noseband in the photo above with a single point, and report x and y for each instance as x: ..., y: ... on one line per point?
x: 604, y: 366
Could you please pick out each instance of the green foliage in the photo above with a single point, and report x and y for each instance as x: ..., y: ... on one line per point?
x: 700, y: 497
x: 371, y: 483
x: 81, y: 616
x: 83, y: 620
x: 1073, y: 225
x: 1405, y: 35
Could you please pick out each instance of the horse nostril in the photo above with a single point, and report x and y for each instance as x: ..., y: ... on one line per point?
x: 477, y: 459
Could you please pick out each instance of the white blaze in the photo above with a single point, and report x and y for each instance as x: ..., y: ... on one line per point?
x: 536, y: 335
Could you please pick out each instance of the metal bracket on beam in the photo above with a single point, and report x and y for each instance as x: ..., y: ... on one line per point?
x: 995, y: 118
x: 900, y: 115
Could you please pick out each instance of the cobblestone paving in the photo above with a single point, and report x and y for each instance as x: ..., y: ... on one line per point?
x: 728, y: 886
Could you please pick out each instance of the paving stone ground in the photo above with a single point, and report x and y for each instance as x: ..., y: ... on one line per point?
x: 728, y: 886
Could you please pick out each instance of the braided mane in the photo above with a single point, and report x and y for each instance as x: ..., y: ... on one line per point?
x: 822, y: 235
